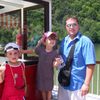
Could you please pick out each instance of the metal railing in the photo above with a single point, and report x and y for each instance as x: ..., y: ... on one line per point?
x: 95, y: 83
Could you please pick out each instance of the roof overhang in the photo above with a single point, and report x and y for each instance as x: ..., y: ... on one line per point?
x: 12, y: 5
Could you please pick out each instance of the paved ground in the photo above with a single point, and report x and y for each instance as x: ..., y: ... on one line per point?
x: 54, y: 94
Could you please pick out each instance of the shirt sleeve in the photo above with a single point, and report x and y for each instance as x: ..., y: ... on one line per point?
x: 38, y: 48
x: 89, y: 52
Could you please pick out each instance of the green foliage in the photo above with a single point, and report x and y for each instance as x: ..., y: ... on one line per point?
x: 35, y: 21
x: 6, y: 36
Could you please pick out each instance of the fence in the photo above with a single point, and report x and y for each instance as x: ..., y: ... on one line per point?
x: 95, y: 83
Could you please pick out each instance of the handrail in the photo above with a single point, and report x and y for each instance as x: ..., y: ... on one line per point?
x: 97, y: 62
x: 95, y: 88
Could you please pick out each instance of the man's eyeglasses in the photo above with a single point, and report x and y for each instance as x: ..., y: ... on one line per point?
x: 71, y: 25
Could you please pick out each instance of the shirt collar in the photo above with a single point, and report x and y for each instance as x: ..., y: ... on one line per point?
x: 76, y: 38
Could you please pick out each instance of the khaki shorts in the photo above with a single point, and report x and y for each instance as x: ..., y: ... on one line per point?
x: 64, y: 94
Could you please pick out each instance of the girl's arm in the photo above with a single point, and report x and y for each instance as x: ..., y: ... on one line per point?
x: 32, y: 50
x: 27, y: 51
x: 41, y: 41
x: 1, y: 77
x: 2, y: 70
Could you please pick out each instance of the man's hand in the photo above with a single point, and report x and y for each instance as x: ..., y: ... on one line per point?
x: 84, y: 89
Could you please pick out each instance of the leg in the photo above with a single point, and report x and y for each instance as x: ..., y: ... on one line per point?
x: 63, y: 94
x: 49, y: 94
x: 43, y: 95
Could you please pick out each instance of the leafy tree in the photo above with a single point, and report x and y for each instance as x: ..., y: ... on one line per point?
x: 6, y: 36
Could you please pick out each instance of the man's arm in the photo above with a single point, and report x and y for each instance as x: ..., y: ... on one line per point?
x: 89, y: 74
